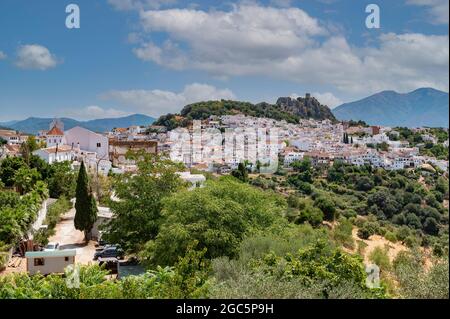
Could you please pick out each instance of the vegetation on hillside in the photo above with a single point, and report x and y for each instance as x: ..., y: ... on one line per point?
x: 203, y: 110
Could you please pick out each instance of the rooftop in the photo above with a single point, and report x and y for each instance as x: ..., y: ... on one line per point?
x: 55, y: 131
x: 53, y: 253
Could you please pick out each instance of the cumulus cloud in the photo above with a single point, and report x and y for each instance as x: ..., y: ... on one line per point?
x: 2, y: 55
x: 328, y: 99
x: 126, y: 5
x: 287, y: 43
x: 34, y: 56
x: 437, y: 9
x: 158, y: 102
x: 94, y: 112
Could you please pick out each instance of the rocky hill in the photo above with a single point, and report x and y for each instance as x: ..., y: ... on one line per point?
x: 307, y: 107
x: 287, y: 109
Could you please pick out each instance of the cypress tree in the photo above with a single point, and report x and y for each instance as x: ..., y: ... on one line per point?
x: 85, y: 205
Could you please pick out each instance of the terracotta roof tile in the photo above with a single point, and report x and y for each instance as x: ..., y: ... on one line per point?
x: 55, y: 132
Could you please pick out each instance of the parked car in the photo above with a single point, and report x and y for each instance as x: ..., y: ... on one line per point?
x: 51, y: 247
x: 110, y: 251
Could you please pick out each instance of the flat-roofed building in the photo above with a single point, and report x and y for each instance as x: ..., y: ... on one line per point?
x: 49, y: 262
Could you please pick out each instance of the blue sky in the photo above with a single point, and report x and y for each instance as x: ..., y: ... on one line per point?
x: 154, y: 56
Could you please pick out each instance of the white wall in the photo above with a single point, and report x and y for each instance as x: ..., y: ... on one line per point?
x: 51, y: 265
x: 88, y: 141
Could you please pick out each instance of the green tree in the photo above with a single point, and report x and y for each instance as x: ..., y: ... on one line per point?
x: 8, y: 168
x: 327, y: 207
x: 25, y: 179
x: 28, y: 147
x: 62, y: 180
x: 218, y: 216
x: 137, y: 215
x: 85, y: 205
x: 241, y: 173
x: 431, y: 226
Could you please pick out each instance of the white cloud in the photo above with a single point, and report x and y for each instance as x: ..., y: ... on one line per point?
x: 94, y: 112
x: 438, y: 9
x: 125, y: 5
x: 328, y: 99
x: 34, y: 56
x: 2, y: 55
x: 287, y: 43
x: 158, y: 102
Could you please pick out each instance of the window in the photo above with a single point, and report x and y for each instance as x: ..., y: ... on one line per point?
x: 66, y: 258
x: 99, y: 144
x: 39, y: 262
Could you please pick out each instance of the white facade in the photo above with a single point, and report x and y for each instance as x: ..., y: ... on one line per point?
x: 87, y: 140
x: 49, y: 262
x: 50, y: 155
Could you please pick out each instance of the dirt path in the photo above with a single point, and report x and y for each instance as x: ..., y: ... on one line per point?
x: 375, y: 241
x: 70, y: 238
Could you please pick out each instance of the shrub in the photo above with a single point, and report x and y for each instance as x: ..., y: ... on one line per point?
x: 391, y: 237
x: 342, y: 233
x: 327, y: 207
x: 379, y: 256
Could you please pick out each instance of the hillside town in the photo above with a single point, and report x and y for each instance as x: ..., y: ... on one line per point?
x: 233, y: 144
x: 322, y: 141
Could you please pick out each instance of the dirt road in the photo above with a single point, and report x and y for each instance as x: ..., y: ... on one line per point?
x: 70, y: 238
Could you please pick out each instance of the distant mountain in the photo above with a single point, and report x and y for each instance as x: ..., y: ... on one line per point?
x: 422, y: 107
x: 32, y: 125
x: 286, y: 108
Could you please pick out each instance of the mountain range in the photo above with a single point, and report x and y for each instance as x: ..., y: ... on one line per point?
x: 33, y: 124
x: 422, y: 107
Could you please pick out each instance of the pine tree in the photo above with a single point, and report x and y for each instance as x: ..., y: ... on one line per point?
x: 85, y: 205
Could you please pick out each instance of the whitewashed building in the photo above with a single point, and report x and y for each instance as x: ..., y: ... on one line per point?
x: 54, y: 154
x: 86, y: 140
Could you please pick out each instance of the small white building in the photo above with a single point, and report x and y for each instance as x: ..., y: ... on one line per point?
x: 12, y: 137
x: 54, y: 154
x: 49, y: 262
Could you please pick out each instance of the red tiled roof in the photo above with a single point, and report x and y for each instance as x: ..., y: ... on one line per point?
x: 55, y: 132
x: 13, y: 148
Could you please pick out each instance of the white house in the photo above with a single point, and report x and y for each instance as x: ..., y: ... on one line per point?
x: 12, y: 138
x: 55, y: 154
x: 49, y: 262
x: 86, y: 140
